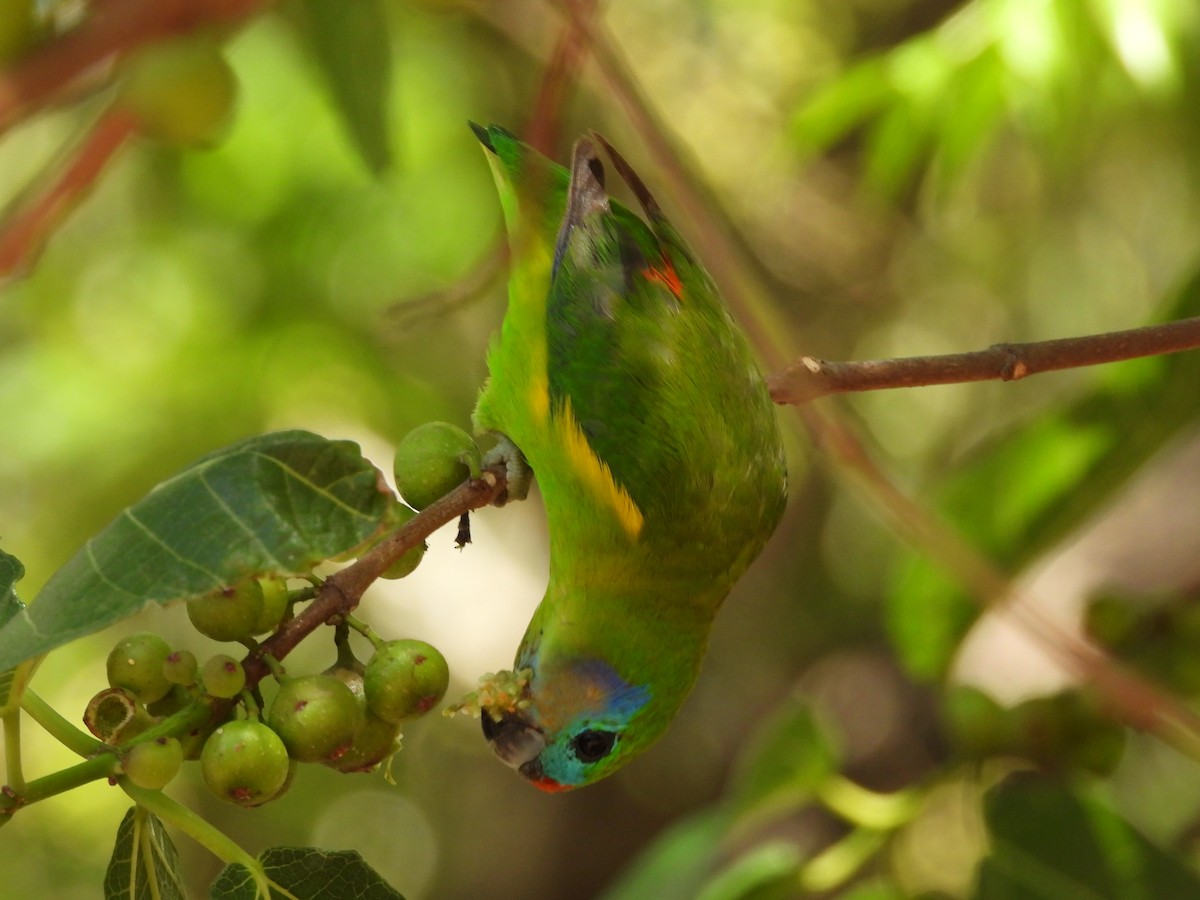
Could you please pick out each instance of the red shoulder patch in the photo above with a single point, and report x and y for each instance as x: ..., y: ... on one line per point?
x: 665, y: 275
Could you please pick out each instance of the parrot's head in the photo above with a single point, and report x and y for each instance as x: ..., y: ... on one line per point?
x: 578, y: 721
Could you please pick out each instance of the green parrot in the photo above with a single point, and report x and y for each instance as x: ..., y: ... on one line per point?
x: 620, y: 380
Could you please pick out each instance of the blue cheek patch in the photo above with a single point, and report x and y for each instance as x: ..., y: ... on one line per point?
x: 623, y: 699
x: 604, y: 701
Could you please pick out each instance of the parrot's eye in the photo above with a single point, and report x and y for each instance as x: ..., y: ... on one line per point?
x: 592, y: 746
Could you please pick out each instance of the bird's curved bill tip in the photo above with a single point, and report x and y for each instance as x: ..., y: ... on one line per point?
x: 515, y: 741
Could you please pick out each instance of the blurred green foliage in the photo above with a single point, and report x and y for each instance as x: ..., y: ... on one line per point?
x: 911, y: 176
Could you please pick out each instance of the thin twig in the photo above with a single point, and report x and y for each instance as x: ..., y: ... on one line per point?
x: 561, y: 74
x: 25, y: 231
x: 808, y: 378
x: 486, y: 272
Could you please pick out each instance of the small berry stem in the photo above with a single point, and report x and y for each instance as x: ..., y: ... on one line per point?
x: 58, y: 727
x: 104, y: 765
x: 176, y: 725
x: 12, y: 749
x: 278, y: 672
x: 364, y: 629
x: 253, y: 710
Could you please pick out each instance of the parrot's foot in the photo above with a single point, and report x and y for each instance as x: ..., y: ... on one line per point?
x: 518, y: 475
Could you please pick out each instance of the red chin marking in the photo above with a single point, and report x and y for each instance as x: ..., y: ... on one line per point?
x: 549, y: 785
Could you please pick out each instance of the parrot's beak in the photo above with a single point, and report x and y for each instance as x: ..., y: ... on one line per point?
x: 514, y: 740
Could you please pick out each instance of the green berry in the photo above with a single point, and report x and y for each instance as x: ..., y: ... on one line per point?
x: 275, y: 604
x: 136, y: 664
x: 432, y: 460
x: 398, y: 516
x: 230, y: 614
x: 245, y: 763
x: 316, y: 716
x: 223, y: 676
x: 374, y: 742
x: 405, y: 679
x: 180, y: 667
x: 352, y: 677
x: 152, y: 764
x: 182, y: 91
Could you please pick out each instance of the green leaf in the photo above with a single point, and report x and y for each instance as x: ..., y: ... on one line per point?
x: 832, y: 113
x: 11, y: 571
x: 276, y: 504
x: 928, y: 614
x: 676, y: 865
x: 144, y: 863
x: 305, y: 873
x: 350, y: 42
x: 783, y: 764
x: 766, y: 872
x: 1050, y: 842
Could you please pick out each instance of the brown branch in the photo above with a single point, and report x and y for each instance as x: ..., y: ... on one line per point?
x: 341, y: 592
x: 808, y: 378
x: 26, y: 230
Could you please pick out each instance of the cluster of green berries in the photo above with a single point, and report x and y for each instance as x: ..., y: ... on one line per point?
x: 1065, y: 731
x: 347, y: 718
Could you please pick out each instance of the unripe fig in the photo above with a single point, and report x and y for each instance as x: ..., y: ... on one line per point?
x: 275, y: 604
x: 316, y: 716
x: 180, y: 667
x: 223, y: 676
x: 245, y: 763
x: 397, y: 515
x: 136, y: 664
x: 405, y: 679
x: 152, y: 764
x: 432, y: 460
x: 230, y: 614
x: 182, y: 90
x: 374, y: 742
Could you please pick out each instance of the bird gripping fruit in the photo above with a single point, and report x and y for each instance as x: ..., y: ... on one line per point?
x: 621, y: 381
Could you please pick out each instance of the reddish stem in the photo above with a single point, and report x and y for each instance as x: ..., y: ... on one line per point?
x: 25, y: 231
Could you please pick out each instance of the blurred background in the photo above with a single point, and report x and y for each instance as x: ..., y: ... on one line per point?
x: 882, y: 178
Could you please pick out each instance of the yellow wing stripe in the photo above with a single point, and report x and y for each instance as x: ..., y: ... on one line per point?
x: 595, y: 473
